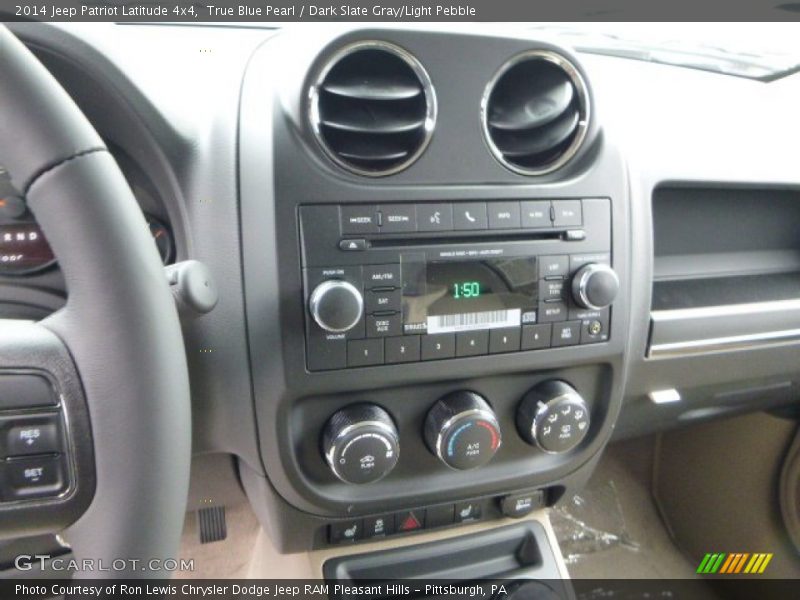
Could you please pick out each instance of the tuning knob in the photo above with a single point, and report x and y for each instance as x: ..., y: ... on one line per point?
x: 462, y: 430
x: 595, y: 286
x: 336, y: 305
x: 361, y: 443
x: 553, y: 416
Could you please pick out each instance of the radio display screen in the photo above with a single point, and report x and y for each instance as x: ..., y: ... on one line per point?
x: 451, y: 296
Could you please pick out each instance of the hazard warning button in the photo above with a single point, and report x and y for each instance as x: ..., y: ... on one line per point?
x: 410, y: 520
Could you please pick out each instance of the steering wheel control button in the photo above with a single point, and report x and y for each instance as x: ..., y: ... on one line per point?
x: 34, y: 477
x: 595, y: 286
x: 554, y: 417
x: 380, y: 526
x: 31, y: 435
x: 462, y: 430
x: 359, y: 219
x: 25, y: 391
x: 517, y: 506
x: 361, y: 443
x: 466, y: 512
x: 337, y: 306
x: 345, y: 531
x: 470, y: 216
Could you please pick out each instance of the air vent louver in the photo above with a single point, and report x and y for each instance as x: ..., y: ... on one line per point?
x: 373, y: 109
x: 535, y: 113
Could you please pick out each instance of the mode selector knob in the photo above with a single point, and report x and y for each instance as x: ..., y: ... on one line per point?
x: 336, y: 305
x: 462, y: 430
x: 595, y: 286
x: 361, y: 443
x: 553, y: 416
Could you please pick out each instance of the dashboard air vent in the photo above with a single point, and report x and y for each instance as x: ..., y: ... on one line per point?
x: 373, y: 109
x: 535, y: 113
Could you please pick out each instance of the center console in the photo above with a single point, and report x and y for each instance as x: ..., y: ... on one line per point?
x: 447, y: 343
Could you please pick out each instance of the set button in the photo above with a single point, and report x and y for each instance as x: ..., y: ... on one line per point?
x: 34, y: 477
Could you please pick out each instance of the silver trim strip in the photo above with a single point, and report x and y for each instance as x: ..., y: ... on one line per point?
x: 583, y: 99
x: 427, y: 87
x: 724, y: 344
x: 726, y: 310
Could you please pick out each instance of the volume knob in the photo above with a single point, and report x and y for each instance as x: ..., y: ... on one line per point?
x: 336, y: 305
x: 595, y: 286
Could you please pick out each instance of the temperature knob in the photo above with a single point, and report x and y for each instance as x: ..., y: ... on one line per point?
x: 360, y: 443
x: 462, y: 430
x: 595, y: 286
x: 336, y: 305
x: 553, y: 416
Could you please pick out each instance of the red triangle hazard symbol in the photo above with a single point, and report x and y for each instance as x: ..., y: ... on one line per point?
x: 410, y: 522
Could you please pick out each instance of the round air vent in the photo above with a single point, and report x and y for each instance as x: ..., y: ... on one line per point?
x: 373, y: 108
x: 535, y: 113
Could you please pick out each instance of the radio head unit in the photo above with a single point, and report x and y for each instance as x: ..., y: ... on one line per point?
x: 381, y: 287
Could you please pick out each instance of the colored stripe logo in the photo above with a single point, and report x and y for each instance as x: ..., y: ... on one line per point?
x: 734, y: 563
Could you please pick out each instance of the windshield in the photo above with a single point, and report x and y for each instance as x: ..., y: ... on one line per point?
x: 764, y: 51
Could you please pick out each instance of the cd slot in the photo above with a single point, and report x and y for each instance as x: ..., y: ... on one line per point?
x: 419, y: 240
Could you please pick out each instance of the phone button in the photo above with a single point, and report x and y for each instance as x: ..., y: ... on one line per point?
x: 469, y: 216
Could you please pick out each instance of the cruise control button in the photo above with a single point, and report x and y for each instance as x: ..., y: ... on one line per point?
x: 384, y: 325
x: 398, y: 218
x: 504, y: 215
x: 36, y: 435
x: 535, y: 337
x: 25, y: 391
x: 567, y: 333
x: 34, y: 477
x: 376, y: 276
x: 505, y: 339
x: 359, y: 219
x: 472, y: 343
x: 434, y: 217
x: 567, y: 213
x: 364, y: 353
x: 383, y: 300
x: 536, y: 214
x: 402, y: 349
x: 346, y: 531
x: 470, y: 216
x: 438, y: 346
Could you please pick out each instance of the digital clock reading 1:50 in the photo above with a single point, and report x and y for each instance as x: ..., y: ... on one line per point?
x: 466, y: 289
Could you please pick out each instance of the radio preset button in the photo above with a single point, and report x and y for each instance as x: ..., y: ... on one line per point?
x: 398, y: 218
x: 550, y: 312
x: 567, y: 213
x: 536, y: 214
x: 383, y: 300
x: 470, y: 216
x: 567, y: 333
x: 472, y: 343
x: 384, y: 325
x: 376, y: 276
x: 438, y: 346
x: 402, y: 349
x: 504, y: 340
x: 365, y: 353
x: 359, y: 219
x: 434, y: 217
x: 535, y: 337
x: 504, y: 215
x: 553, y: 266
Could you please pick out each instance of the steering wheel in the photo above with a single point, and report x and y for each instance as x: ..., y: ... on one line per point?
x: 114, y: 355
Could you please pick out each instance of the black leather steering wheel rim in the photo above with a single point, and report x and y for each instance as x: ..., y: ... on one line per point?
x: 119, y: 325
